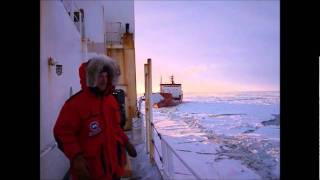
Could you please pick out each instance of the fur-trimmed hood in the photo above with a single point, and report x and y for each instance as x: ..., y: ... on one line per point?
x: 89, y: 71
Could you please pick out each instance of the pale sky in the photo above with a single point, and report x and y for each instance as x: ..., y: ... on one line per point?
x: 209, y: 46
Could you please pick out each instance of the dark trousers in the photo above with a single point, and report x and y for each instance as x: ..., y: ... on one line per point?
x: 115, y: 177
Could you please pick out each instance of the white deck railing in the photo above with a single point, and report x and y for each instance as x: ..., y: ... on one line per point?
x: 166, y: 158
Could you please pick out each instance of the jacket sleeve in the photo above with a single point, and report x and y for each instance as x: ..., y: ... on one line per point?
x: 65, y: 131
x: 119, y: 131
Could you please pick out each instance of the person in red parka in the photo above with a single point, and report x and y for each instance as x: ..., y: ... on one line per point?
x: 88, y: 128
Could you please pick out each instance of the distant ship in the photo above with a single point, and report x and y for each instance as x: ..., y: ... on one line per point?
x: 172, y: 94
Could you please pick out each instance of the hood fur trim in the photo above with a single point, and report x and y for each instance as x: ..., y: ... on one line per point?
x: 96, y: 65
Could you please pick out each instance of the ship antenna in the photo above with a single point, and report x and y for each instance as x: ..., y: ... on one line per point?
x: 160, y: 79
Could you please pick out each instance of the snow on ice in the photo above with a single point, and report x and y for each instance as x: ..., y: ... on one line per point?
x: 224, y: 136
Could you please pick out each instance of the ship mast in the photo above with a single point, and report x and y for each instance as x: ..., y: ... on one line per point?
x: 171, y: 77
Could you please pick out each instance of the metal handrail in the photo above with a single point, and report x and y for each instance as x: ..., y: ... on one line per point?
x: 163, y: 141
x: 160, y: 157
x: 152, y: 125
x: 48, y: 148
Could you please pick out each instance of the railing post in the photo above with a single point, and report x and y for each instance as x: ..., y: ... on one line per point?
x: 146, y: 105
x: 151, y: 148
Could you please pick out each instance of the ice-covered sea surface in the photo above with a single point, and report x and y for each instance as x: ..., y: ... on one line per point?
x: 245, y: 125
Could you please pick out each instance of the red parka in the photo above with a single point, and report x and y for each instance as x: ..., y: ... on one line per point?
x: 90, y: 125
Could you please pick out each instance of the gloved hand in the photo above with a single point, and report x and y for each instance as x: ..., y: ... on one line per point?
x: 80, y: 167
x: 131, y: 150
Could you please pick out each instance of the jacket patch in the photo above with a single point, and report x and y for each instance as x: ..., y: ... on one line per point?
x: 94, y: 128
